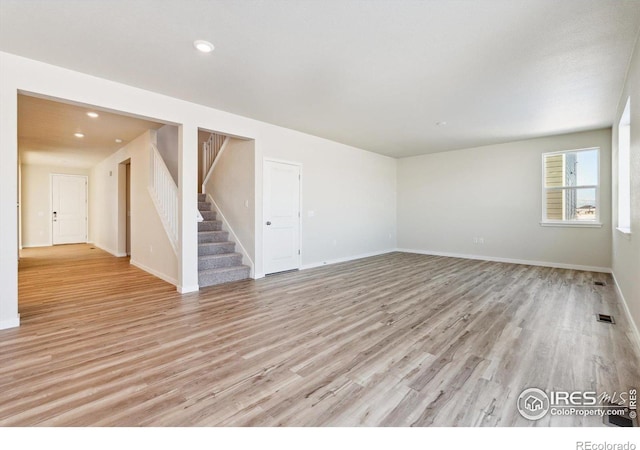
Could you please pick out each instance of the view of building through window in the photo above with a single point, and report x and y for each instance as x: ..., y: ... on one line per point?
x: 571, y: 185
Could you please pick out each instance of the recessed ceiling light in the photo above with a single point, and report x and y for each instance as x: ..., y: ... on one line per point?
x: 92, y: 114
x: 78, y: 135
x: 203, y: 46
x: 119, y: 141
x: 441, y: 124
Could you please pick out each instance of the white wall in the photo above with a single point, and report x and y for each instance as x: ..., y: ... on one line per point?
x: 494, y: 192
x: 232, y: 186
x: 9, y: 316
x: 626, y: 248
x: 167, y: 143
x: 351, y: 194
x: 36, y: 202
x: 150, y: 247
x: 103, y: 201
x: 352, y: 191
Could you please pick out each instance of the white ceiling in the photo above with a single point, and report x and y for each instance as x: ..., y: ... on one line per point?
x: 46, y: 133
x: 374, y: 74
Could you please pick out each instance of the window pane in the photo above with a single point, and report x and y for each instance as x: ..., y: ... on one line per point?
x: 585, y: 204
x: 587, y: 168
x: 571, y: 204
x: 571, y: 169
x: 553, y: 170
x: 555, y: 205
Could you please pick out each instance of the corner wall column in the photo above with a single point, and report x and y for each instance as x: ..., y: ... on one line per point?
x: 9, y: 317
x: 188, y: 205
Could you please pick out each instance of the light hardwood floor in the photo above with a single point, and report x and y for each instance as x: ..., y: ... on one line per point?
x: 392, y: 340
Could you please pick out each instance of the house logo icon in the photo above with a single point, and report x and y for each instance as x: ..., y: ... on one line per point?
x: 533, y: 404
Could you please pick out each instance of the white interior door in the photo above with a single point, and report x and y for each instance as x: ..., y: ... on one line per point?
x: 281, y: 199
x: 69, y: 209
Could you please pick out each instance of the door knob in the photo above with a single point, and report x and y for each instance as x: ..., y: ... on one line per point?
x: 268, y: 222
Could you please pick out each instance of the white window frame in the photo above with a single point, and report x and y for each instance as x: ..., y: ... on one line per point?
x: 595, y: 223
x: 624, y: 171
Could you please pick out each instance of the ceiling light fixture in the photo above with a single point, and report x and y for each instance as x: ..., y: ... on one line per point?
x: 78, y: 135
x: 119, y: 141
x: 203, y: 46
x: 92, y: 114
x: 441, y: 124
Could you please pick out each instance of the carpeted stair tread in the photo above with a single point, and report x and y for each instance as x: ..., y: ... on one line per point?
x: 208, y: 215
x: 216, y: 248
x: 221, y: 275
x: 210, y: 225
x: 207, y: 262
x: 212, y: 236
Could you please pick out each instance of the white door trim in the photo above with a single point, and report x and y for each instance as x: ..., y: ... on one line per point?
x: 291, y: 163
x: 86, y: 204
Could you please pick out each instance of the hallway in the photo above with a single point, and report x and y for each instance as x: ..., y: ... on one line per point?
x: 81, y: 282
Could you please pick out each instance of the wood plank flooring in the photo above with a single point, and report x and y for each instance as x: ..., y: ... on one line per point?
x: 392, y: 340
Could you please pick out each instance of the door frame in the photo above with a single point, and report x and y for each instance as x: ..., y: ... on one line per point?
x: 121, y: 229
x: 86, y: 203
x: 264, y: 241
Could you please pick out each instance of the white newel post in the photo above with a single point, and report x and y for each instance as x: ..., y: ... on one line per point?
x: 9, y: 200
x: 188, y: 205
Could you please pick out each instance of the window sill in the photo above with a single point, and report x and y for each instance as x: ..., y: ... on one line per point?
x: 572, y: 224
x: 626, y: 232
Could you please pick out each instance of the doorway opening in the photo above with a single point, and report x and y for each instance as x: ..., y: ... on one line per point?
x: 68, y: 168
x: 124, y: 208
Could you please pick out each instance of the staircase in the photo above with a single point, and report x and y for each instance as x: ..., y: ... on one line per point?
x: 217, y: 261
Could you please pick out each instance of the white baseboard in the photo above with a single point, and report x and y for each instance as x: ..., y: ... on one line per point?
x: 345, y: 259
x: 187, y: 289
x: 154, y: 272
x: 627, y: 311
x: 509, y: 260
x: 10, y: 323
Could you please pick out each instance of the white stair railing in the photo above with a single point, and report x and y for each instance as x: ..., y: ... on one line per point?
x: 210, y: 150
x: 164, y: 193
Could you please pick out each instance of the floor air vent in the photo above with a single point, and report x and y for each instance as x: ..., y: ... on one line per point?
x: 605, y: 318
x: 599, y: 283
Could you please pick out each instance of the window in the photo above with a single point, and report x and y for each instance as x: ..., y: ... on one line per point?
x: 570, y: 188
x: 624, y: 179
